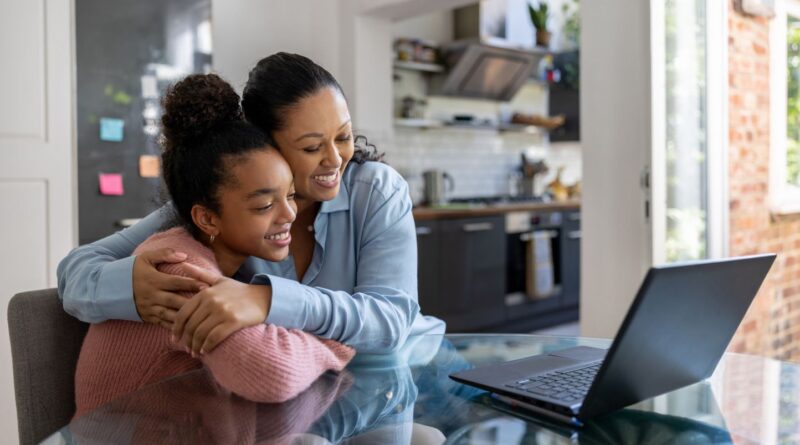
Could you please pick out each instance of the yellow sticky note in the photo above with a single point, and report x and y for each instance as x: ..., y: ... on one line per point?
x: 149, y: 166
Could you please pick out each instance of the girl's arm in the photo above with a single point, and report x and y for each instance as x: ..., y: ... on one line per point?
x: 267, y: 363
x: 263, y: 363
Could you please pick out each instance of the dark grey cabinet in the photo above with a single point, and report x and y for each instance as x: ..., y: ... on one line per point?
x: 465, y: 276
x: 428, y: 267
x: 571, y: 258
x: 462, y: 271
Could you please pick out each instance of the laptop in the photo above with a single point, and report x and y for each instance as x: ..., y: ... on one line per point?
x: 674, y: 334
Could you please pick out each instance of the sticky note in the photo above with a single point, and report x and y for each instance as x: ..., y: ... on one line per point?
x: 111, y: 184
x: 149, y: 166
x: 111, y: 129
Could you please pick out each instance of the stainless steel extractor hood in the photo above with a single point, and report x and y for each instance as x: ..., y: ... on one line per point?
x: 480, y: 65
x: 484, y: 71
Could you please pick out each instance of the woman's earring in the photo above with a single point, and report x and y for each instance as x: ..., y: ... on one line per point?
x: 211, y: 239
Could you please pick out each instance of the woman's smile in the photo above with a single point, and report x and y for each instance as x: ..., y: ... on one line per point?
x: 327, y: 180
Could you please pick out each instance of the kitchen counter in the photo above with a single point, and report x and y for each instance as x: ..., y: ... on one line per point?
x: 468, y: 210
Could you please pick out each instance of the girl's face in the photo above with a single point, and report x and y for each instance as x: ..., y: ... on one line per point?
x: 257, y: 207
x: 317, y: 142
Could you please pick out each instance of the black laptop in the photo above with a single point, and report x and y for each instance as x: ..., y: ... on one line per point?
x: 675, y: 332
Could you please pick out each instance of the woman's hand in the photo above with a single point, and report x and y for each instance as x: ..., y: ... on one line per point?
x: 156, y: 293
x: 212, y: 315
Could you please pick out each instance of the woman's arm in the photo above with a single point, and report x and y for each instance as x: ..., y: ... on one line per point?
x: 377, y: 317
x: 97, y: 282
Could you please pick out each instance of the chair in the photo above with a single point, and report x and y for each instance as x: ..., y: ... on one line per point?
x: 45, y: 343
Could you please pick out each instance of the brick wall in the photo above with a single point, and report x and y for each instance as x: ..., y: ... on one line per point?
x: 772, y: 326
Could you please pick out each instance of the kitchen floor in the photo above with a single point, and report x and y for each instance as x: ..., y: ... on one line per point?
x: 568, y: 329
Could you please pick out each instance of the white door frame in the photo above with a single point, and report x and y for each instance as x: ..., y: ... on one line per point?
x: 623, y: 137
x: 38, y: 149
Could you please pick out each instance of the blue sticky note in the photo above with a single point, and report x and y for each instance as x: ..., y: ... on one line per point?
x: 112, y: 130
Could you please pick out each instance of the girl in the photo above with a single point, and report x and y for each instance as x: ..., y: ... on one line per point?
x: 234, y: 197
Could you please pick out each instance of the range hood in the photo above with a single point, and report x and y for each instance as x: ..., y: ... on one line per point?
x: 484, y: 71
x: 482, y: 64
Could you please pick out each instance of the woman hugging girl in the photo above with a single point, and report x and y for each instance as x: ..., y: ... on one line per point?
x: 233, y: 196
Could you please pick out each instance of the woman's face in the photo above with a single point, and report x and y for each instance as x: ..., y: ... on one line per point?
x: 257, y: 207
x: 317, y: 142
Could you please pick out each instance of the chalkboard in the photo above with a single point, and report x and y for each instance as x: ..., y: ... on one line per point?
x: 117, y: 44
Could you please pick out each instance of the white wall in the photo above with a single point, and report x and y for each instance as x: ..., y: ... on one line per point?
x: 435, y: 26
x: 37, y: 188
x: 616, y: 131
x: 244, y: 31
x: 350, y: 38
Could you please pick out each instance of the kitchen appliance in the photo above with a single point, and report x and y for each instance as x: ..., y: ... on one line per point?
x: 495, y: 200
x: 483, y: 62
x: 534, y: 256
x: 437, y: 184
x: 530, y: 170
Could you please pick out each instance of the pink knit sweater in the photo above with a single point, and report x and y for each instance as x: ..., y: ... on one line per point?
x: 263, y: 363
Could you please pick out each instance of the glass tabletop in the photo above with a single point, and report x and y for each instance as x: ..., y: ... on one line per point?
x: 407, y: 397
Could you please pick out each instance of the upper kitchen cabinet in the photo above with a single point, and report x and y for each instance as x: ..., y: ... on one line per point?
x: 485, y: 66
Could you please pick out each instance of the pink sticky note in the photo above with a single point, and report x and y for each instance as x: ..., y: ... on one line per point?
x: 111, y: 184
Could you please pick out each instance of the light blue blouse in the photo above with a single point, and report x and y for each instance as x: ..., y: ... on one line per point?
x: 360, y: 288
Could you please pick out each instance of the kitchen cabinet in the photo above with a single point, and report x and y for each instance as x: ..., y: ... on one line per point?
x: 429, y: 268
x: 462, y: 271
x: 570, y: 258
x: 465, y: 275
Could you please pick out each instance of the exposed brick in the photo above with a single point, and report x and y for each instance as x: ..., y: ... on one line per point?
x: 772, y: 325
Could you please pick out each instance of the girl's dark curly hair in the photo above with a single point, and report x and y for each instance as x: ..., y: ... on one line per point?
x: 280, y: 81
x: 204, y: 132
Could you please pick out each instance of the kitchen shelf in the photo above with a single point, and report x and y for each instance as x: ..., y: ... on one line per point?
x: 435, y: 124
x: 417, y: 123
x: 419, y: 66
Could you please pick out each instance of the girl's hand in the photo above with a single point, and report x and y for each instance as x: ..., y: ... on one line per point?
x: 213, y: 314
x: 156, y: 293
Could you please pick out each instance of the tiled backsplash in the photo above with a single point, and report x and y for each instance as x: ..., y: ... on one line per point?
x: 480, y: 161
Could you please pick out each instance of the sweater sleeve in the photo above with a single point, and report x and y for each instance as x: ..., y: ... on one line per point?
x: 268, y: 363
x: 263, y: 363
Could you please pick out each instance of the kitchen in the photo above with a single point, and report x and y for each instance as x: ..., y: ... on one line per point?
x: 530, y: 212
x: 489, y: 141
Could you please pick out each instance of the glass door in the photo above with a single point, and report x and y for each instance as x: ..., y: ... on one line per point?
x: 690, y: 214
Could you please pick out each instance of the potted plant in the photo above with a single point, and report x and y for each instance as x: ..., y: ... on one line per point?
x: 539, y: 15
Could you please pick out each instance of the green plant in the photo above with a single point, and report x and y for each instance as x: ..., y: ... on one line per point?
x: 539, y: 15
x: 572, y: 22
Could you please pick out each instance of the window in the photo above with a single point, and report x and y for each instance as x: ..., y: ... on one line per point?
x: 692, y: 224
x: 784, y: 190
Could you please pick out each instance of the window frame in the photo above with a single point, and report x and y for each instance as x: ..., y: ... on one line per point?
x: 784, y: 197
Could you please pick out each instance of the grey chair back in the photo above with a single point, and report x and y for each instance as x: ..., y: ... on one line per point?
x: 45, y: 343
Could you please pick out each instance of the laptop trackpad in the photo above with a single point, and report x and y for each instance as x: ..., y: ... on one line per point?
x: 581, y: 353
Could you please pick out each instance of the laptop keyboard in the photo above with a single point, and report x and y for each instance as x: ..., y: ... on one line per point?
x: 566, y: 386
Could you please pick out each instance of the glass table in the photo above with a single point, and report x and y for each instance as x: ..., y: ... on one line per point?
x: 407, y: 397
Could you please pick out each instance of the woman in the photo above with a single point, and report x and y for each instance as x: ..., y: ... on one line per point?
x: 238, y: 202
x: 351, y: 274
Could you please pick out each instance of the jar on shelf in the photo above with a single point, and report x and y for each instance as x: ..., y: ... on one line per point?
x: 404, y: 49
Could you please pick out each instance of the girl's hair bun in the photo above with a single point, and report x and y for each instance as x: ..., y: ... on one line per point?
x: 196, y: 106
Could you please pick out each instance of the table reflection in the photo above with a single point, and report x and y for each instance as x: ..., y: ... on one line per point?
x: 407, y: 398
